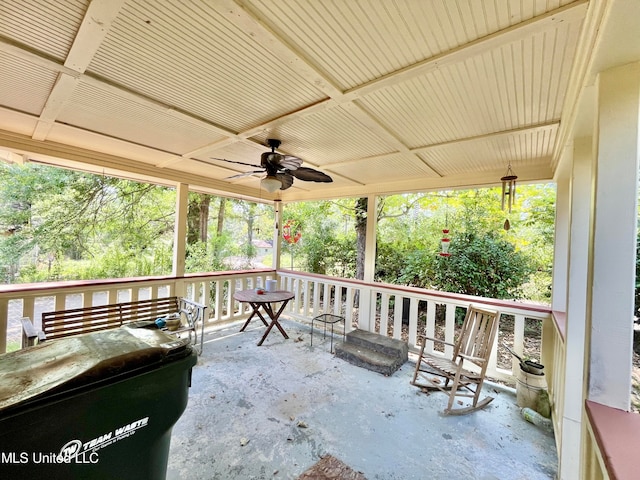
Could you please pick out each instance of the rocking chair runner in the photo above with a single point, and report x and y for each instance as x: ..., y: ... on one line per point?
x: 473, y: 346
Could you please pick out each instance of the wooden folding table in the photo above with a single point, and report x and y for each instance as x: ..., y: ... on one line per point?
x: 264, y: 300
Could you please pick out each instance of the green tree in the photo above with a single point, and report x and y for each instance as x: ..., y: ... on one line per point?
x: 121, y: 228
x: 482, y: 265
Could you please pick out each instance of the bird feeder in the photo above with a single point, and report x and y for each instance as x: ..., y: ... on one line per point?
x: 444, y: 243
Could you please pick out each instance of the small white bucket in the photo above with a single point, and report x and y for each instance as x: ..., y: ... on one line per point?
x: 272, y: 285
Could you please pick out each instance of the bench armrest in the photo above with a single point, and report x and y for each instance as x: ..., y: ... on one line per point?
x: 194, y: 312
x: 30, y: 334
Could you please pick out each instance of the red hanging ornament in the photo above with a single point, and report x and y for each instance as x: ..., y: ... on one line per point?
x: 286, y: 233
x: 444, y: 243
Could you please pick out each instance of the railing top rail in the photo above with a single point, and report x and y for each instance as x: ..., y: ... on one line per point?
x: 27, y: 288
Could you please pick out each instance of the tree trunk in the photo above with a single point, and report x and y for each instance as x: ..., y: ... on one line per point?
x: 361, y: 235
x: 197, y: 218
x: 204, y: 217
x: 220, y: 225
x: 221, y: 208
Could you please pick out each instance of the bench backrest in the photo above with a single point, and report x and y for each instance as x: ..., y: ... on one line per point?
x: 64, y: 323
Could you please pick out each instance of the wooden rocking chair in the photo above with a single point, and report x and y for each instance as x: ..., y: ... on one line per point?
x: 471, y: 350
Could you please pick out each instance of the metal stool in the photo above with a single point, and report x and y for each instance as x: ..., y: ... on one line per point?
x: 328, y: 318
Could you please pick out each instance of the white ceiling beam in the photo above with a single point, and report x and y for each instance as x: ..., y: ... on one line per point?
x: 529, y: 174
x: 573, y: 12
x: 94, y: 27
x: 490, y: 136
x: 57, y: 154
x: 258, y: 32
x: 461, y: 141
x: 60, y: 93
x: 15, y: 50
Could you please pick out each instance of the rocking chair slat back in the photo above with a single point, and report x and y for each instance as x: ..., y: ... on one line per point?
x: 477, y: 334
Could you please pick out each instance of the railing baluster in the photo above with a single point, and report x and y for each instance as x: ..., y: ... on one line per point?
x: 219, y: 305
x: 326, y: 299
x: 431, y: 324
x: 384, y: 313
x: 518, y: 341
x: 397, y: 317
x: 449, y: 328
x: 304, y: 301
x: 4, y: 320
x: 413, y: 322
x: 348, y: 314
x: 316, y: 298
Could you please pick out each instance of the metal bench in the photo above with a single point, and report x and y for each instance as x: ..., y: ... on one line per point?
x: 64, y: 323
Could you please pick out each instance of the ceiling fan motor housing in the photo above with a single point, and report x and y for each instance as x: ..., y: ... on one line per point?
x: 273, y: 143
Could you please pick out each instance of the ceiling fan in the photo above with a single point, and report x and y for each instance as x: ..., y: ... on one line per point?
x: 280, y: 169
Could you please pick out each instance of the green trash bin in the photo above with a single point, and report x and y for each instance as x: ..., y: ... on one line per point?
x: 95, y: 406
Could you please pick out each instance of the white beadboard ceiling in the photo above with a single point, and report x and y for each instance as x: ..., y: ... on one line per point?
x: 383, y: 96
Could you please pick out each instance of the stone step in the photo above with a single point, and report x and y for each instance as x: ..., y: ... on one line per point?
x: 379, y: 343
x: 366, y: 358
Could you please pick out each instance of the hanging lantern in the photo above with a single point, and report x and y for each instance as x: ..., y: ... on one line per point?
x: 509, y: 188
x: 444, y: 243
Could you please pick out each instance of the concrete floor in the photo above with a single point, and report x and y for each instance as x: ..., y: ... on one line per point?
x: 271, y: 412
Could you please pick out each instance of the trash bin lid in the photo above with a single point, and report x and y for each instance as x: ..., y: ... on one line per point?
x: 60, y: 365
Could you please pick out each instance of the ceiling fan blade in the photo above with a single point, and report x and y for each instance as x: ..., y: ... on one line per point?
x: 285, y: 179
x: 289, y: 162
x: 245, y: 174
x: 239, y: 163
x: 280, y: 162
x: 310, y: 175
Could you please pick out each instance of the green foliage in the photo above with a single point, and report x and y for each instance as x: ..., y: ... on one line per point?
x: 482, y: 265
x: 57, y: 217
x: 328, y: 253
x: 208, y: 257
x: 486, y: 259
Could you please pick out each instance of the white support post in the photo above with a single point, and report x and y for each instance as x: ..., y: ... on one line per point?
x: 370, y: 246
x: 576, y: 301
x: 277, y: 234
x: 180, y: 236
x: 366, y: 303
x: 561, y: 245
x: 612, y: 282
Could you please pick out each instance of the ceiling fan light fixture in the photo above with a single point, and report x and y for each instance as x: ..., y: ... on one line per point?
x: 270, y: 183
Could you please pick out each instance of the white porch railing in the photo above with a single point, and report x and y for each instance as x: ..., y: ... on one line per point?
x: 375, y: 307
x: 212, y: 289
x: 554, y: 359
x: 396, y: 311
